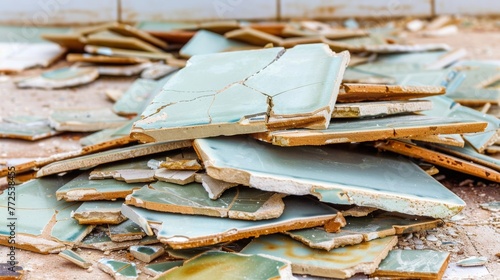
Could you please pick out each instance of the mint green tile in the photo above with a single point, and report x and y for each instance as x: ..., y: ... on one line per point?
x: 473, y: 87
x: 27, y: 132
x: 146, y: 253
x: 86, y: 119
x: 127, y: 230
x: 135, y: 99
x: 206, y: 42
x: 108, y: 134
x: 338, y: 263
x: 122, y: 270
x: 158, y: 268
x: 75, y: 258
x: 222, y: 266
x: 67, y: 229
x: 186, y: 254
x: 422, y: 264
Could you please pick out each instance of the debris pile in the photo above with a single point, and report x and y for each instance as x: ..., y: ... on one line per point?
x: 295, y: 148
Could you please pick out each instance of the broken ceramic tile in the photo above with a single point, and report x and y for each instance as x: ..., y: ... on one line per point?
x: 178, y: 177
x: 206, y: 42
x: 414, y: 264
x: 111, y: 136
x: 99, y: 240
x: 126, y: 53
x: 457, y: 272
x: 181, y: 164
x: 99, y: 212
x: 352, y: 75
x: 16, y: 56
x: 72, y: 40
x: 158, y: 268
x: 158, y: 71
x: 493, y: 206
x: 114, y: 40
x: 83, y: 189
x: 131, y: 31
x: 75, y: 258
x: 338, y: 263
x: 43, y: 224
x: 125, y: 231
x: 477, y: 87
x: 26, y: 127
x: 470, y: 154
x: 241, y: 203
x: 254, y: 37
x: 146, y: 253
x: 362, y: 229
x: 11, y: 272
x: 440, y: 159
x: 472, y: 261
x: 103, y: 59
x: 380, y: 108
x: 219, y: 27
x: 215, y: 187
x: 334, y: 174
x: 60, y: 78
x: 186, y: 254
x: 113, y: 155
x: 225, y: 266
x: 362, y: 130
x: 189, y: 231
x: 119, y: 70
x: 370, y: 92
x: 133, y: 170
x: 301, y: 101
x: 117, y: 269
x: 445, y: 139
x: 85, y: 119
x: 358, y: 211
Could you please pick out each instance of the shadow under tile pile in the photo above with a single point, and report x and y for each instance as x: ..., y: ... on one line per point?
x: 253, y: 160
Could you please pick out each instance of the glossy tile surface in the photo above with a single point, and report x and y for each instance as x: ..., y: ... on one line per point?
x: 335, y: 174
x: 86, y: 119
x: 99, y: 212
x: 422, y: 264
x: 222, y: 265
x: 361, y: 130
x: 477, y: 86
x: 60, y: 78
x: 100, y: 240
x: 16, y: 56
x: 75, y: 258
x: 338, y: 263
x: 135, y: 99
x: 117, y: 269
x: 146, y: 253
x: 239, y: 203
x: 158, y: 268
x: 188, y: 231
x: 20, y: 127
x: 124, y: 231
x: 235, y: 91
x: 206, y: 42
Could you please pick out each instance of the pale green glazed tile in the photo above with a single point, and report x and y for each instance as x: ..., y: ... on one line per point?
x: 136, y: 98
x: 235, y: 91
x: 359, y: 229
x: 75, y: 258
x: 414, y: 263
x: 237, y: 203
x: 27, y: 132
x: 99, y: 212
x: 333, y: 174
x: 158, y: 268
x: 473, y: 261
x: 146, y: 253
x: 222, y: 266
x: 206, y: 42
x: 100, y: 240
x: 26, y: 119
x: 83, y: 189
x: 338, y: 263
x: 186, y: 254
x: 390, y: 64
x: 127, y: 230
x: 118, y: 269
x: 492, y: 206
x: 67, y: 229
x: 60, y: 78
x: 472, y: 89
x: 85, y: 119
x: 188, y: 231
x: 109, y: 170
x: 108, y: 134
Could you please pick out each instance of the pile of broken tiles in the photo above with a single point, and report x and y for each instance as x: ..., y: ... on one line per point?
x: 267, y: 157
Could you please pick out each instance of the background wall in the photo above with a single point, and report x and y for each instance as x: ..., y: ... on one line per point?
x: 61, y: 12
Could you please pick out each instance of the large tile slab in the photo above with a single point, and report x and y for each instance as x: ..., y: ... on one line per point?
x: 189, y: 231
x: 421, y: 264
x: 206, y: 42
x: 338, y: 263
x: 362, y: 130
x: 379, y: 108
x: 238, y: 203
x: 113, y: 155
x: 223, y: 265
x: 42, y: 223
x: 244, y: 92
x: 335, y: 174
x: 362, y: 229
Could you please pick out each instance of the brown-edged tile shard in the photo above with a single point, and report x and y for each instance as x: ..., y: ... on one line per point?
x: 370, y: 92
x: 85, y: 119
x: 215, y: 188
x: 75, y: 258
x: 379, y: 108
x: 336, y: 173
x: 117, y: 269
x: 179, y: 177
x: 189, y: 231
x: 244, y: 92
x: 253, y: 36
x: 99, y: 212
x: 146, y: 253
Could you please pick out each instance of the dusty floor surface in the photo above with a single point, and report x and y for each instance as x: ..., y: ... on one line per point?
x: 477, y: 233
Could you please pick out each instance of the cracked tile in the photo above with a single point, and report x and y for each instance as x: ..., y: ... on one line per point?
x: 362, y: 130
x: 440, y: 159
x: 371, y: 92
x: 362, y: 229
x: 421, y: 264
x: 85, y: 119
x: 99, y: 240
x: 117, y: 269
x: 245, y: 92
x: 99, y: 212
x: 60, y: 78
x: 158, y: 268
x: 146, y: 253
x: 335, y: 173
x: 189, y: 231
x: 338, y: 263
x: 206, y: 42
x: 224, y: 266
x: 43, y: 224
x: 379, y: 108
x: 238, y: 203
x: 91, y: 160
x: 75, y: 258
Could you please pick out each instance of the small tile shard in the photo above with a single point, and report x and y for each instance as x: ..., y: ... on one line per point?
x: 114, y: 40
x: 120, y: 70
x: 457, y: 272
x: 379, y: 108
x: 117, y: 269
x: 334, y: 174
x: 415, y: 264
x: 99, y: 212
x: 224, y: 266
x: 146, y: 253
x: 180, y: 177
x: 125, y: 231
x: 158, y: 71
x: 61, y: 78
x: 181, y: 164
x: 99, y: 240
x: 493, y: 206
x: 75, y: 258
x: 215, y: 188
x: 242, y: 203
x: 34, y: 129
x: 85, y: 119
x: 158, y: 268
x: 472, y: 261
x: 206, y: 42
x: 338, y: 263
x: 102, y: 59
x: 190, y: 231
x: 370, y: 92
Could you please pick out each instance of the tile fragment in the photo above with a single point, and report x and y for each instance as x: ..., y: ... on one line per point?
x: 16, y: 57
x: 472, y: 261
x: 99, y: 212
x: 206, y: 42
x: 85, y: 119
x: 180, y: 177
x: 370, y: 92
x: 146, y: 253
x: 493, y: 206
x: 254, y: 37
x: 60, y: 78
x: 156, y: 269
x: 75, y: 258
x: 215, y: 188
x: 102, y: 59
x: 99, y: 240
x: 117, y: 269
x: 181, y: 164
x: 125, y: 231
x: 379, y: 108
